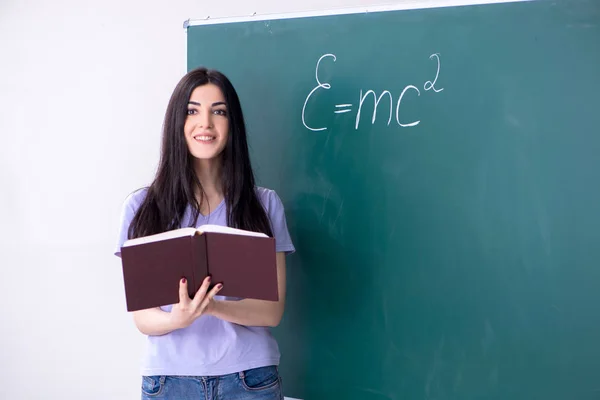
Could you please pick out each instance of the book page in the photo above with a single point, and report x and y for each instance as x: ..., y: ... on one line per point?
x: 161, y: 236
x: 226, y: 229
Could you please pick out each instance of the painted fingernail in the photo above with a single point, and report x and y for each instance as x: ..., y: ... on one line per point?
x: 219, y: 286
x: 182, y: 280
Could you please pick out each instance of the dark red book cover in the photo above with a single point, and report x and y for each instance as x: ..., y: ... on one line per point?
x: 152, y: 268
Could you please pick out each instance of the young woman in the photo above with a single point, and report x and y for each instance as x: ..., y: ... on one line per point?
x: 211, y: 347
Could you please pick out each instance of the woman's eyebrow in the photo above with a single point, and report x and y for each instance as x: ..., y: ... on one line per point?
x: 217, y: 103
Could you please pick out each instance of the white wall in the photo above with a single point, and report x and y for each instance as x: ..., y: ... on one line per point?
x: 83, y: 88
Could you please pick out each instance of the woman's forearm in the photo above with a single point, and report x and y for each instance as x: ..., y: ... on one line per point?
x: 248, y: 312
x: 154, y: 322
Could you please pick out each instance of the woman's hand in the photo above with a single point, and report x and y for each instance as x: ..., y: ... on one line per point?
x: 188, y: 310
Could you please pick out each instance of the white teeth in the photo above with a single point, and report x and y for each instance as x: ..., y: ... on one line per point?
x: 204, y: 138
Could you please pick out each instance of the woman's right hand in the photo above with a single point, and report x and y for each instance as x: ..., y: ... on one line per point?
x: 188, y: 310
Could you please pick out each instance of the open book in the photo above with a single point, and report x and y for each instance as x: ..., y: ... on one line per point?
x: 243, y: 261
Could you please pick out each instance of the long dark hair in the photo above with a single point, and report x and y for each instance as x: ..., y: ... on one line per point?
x: 175, y: 182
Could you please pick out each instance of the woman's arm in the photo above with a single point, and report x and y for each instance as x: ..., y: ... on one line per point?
x: 251, y: 312
x: 153, y: 322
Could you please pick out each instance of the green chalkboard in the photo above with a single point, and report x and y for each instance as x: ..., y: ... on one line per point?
x: 448, y: 246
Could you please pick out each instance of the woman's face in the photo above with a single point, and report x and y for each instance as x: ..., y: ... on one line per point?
x: 206, y: 127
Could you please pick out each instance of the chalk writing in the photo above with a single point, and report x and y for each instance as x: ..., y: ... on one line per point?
x: 320, y: 85
x: 377, y: 98
x: 430, y: 85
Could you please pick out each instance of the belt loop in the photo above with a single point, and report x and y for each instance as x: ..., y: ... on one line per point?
x: 241, y: 374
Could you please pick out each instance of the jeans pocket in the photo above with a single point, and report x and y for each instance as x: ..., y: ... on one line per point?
x: 261, y: 378
x: 152, y: 385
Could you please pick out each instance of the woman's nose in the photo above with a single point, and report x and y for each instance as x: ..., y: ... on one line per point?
x: 205, y: 120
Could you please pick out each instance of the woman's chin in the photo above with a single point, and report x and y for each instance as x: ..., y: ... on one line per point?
x: 205, y: 156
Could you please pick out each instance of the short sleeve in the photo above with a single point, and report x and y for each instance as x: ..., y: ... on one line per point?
x: 128, y: 211
x: 276, y: 212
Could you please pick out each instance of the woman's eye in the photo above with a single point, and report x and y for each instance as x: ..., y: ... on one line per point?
x: 191, y: 111
x: 220, y: 112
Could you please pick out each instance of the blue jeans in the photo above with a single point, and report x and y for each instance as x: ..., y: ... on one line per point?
x: 262, y: 383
